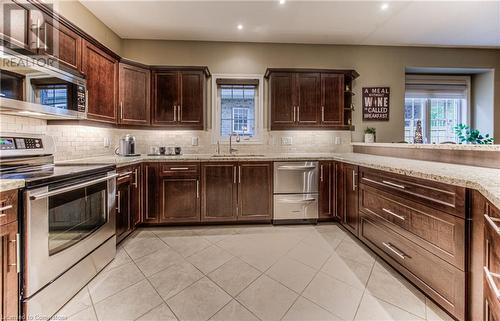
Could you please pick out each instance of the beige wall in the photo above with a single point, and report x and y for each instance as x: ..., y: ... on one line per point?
x: 482, y: 102
x: 377, y: 65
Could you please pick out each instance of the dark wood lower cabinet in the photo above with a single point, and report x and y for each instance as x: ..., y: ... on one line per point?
x: 255, y: 191
x: 9, y: 286
x: 491, y: 269
x: 219, y: 191
x: 150, y: 194
x: 128, y: 204
x: 350, y: 197
x: 326, y: 206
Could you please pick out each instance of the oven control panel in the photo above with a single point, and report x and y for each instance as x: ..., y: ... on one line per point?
x: 12, y: 143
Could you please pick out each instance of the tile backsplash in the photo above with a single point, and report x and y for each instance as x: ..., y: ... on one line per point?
x: 79, y: 141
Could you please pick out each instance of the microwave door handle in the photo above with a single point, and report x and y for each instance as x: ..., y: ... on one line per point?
x: 71, y: 188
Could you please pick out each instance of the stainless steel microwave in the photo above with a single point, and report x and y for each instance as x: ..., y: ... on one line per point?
x: 33, y: 86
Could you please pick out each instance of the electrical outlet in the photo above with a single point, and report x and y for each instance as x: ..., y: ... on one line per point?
x: 286, y: 140
x: 106, y: 142
x: 194, y: 141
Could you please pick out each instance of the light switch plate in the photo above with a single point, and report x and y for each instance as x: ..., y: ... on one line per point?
x: 286, y: 140
x: 194, y: 141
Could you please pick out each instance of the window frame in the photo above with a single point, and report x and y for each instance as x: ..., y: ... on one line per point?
x: 426, y: 112
x: 217, y: 110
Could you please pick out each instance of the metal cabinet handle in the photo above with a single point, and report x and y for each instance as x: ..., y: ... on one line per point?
x: 135, y: 178
x: 491, y: 282
x: 7, y: 207
x: 354, y: 185
x: 118, y: 201
x: 394, y: 184
x: 124, y: 175
x: 175, y: 113
x: 401, y: 217
x: 294, y: 114
x: 45, y: 47
x: 234, y: 174
x: 322, y: 113
x: 298, y: 114
x: 18, y: 252
x: 395, y: 251
x: 197, y: 188
x: 321, y: 173
x: 491, y: 221
x: 121, y: 110
x: 239, y: 174
x: 179, y: 168
x: 178, y: 112
x: 37, y: 33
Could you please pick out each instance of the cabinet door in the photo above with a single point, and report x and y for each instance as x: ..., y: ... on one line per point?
x: 151, y: 194
x: 180, y: 199
x: 165, y: 98
x: 219, y: 192
x: 282, y: 107
x: 190, y: 109
x: 351, y: 215
x: 332, y: 99
x: 255, y: 191
x: 136, y: 197
x: 307, y: 98
x: 15, y: 25
x: 491, y: 270
x: 9, y: 286
x: 134, y: 95
x: 338, y: 192
x: 123, y: 214
x: 101, y: 71
x: 60, y: 43
x: 326, y: 184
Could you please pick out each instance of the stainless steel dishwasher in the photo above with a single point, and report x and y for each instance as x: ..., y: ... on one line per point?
x: 295, y: 192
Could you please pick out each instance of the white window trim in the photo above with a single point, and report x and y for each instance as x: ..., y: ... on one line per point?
x: 259, y: 109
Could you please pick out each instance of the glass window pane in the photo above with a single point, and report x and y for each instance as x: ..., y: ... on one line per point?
x: 237, y: 110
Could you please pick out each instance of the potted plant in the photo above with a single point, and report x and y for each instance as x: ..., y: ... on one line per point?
x: 370, y: 135
x: 468, y: 135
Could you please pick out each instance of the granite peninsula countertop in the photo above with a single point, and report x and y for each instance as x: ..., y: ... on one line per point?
x: 473, y: 147
x: 485, y: 180
x: 10, y: 184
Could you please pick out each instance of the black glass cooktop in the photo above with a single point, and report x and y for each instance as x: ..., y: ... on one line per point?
x: 36, y: 176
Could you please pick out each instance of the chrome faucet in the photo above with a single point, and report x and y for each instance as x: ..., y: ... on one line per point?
x: 231, y: 149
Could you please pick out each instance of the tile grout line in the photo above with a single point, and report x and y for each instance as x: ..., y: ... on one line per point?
x: 364, y: 290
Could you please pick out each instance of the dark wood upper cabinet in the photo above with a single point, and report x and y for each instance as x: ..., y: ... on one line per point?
x: 101, y: 71
x: 150, y: 192
x: 179, y: 97
x: 134, y: 95
x: 350, y: 195
x: 16, y: 24
x: 332, y: 99
x: 255, y: 191
x: 309, y: 98
x: 281, y: 87
x: 219, y: 191
x: 180, y: 193
x: 326, y: 206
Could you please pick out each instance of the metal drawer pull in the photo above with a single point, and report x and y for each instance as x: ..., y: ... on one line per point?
x: 179, y: 168
x: 8, y: 207
x: 72, y: 188
x: 491, y: 221
x: 394, y: 184
x: 393, y: 214
x: 393, y: 250
x: 491, y: 282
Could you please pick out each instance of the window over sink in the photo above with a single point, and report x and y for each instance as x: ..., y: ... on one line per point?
x: 440, y: 102
x: 237, y: 107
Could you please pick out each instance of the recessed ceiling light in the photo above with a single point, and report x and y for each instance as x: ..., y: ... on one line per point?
x: 384, y: 6
x: 240, y: 27
x: 282, y: 1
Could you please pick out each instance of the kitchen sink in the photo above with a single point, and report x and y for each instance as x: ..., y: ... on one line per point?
x: 238, y: 155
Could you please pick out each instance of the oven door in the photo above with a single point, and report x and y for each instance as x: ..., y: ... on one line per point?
x: 63, y: 224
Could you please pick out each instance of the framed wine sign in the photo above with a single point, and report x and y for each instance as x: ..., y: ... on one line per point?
x: 376, y: 103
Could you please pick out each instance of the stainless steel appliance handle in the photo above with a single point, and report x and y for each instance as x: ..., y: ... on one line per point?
x: 118, y: 201
x: 401, y: 217
x: 393, y: 250
x: 491, y: 282
x: 394, y: 184
x: 121, y: 175
x: 296, y: 168
x: 491, y: 221
x: 8, y: 207
x: 71, y: 188
x: 307, y: 200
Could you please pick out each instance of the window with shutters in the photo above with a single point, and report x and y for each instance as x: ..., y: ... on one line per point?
x: 440, y: 103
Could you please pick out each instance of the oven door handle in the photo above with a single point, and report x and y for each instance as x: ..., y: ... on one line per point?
x: 71, y: 188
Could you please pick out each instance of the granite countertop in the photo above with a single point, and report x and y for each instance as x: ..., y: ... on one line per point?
x: 485, y: 180
x: 474, y: 147
x: 9, y: 184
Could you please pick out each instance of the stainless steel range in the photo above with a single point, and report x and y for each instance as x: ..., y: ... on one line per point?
x: 67, y: 223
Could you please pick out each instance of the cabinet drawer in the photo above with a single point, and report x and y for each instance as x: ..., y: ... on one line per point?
x: 440, y: 233
x: 440, y: 280
x: 8, y: 207
x: 180, y: 169
x: 448, y: 198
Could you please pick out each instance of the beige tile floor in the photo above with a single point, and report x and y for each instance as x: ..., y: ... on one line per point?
x: 248, y: 273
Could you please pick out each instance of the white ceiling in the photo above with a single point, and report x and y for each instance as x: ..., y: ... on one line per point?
x: 421, y: 23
